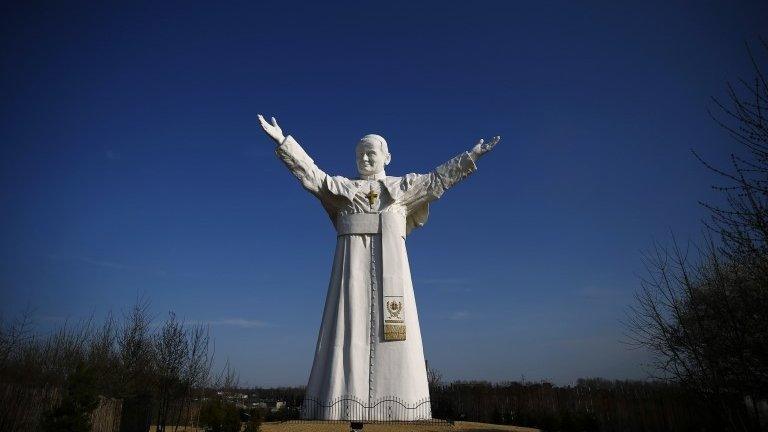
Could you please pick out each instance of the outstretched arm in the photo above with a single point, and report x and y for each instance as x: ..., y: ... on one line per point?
x: 482, y: 147
x: 295, y: 158
x: 461, y: 166
x: 422, y: 188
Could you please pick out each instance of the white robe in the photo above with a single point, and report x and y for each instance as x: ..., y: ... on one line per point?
x: 356, y: 375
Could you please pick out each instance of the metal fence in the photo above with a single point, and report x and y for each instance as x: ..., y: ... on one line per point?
x: 383, y: 410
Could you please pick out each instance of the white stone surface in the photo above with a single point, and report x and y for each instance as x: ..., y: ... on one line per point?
x: 352, y: 359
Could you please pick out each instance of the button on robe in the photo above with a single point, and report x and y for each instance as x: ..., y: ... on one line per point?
x: 353, y: 364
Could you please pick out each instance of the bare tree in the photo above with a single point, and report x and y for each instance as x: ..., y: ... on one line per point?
x: 137, y: 368
x: 197, y: 370
x: 150, y: 371
x: 741, y: 283
x: 702, y: 311
x: 171, y: 353
x: 227, y: 379
x: 434, y: 377
x: 103, y: 356
x: 743, y: 222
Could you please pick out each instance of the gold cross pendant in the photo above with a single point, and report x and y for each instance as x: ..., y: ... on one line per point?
x: 372, y: 197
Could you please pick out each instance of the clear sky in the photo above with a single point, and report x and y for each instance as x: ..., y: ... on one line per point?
x: 132, y: 162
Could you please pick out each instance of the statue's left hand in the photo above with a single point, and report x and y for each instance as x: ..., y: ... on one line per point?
x: 483, y: 147
x: 273, y: 130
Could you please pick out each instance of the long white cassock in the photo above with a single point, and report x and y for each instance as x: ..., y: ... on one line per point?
x: 369, y: 347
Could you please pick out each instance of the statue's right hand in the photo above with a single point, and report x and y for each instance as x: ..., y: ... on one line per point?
x: 273, y: 130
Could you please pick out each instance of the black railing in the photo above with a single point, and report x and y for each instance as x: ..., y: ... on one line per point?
x: 382, y: 410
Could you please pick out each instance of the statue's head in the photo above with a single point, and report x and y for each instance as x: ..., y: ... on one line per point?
x: 372, y: 155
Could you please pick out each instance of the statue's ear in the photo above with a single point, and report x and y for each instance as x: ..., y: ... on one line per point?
x: 388, y: 159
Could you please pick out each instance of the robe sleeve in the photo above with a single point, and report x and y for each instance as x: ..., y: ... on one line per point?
x: 302, y: 166
x: 419, y: 189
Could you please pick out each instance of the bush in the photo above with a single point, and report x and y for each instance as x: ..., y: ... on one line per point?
x: 217, y: 416
x: 80, y: 399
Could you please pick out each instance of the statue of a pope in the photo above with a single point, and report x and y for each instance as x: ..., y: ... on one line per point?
x: 369, y: 349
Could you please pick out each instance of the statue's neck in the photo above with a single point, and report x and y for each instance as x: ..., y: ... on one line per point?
x: 378, y: 176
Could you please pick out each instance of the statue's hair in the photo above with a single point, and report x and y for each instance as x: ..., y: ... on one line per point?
x: 375, y: 139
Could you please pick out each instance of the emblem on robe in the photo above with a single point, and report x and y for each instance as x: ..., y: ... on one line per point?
x: 394, y: 320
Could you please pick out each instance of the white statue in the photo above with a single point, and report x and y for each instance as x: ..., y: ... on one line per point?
x: 369, y: 347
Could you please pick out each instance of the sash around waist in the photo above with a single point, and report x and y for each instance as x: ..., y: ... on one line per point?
x: 389, y: 223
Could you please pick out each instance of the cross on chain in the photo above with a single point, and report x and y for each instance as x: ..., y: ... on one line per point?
x: 372, y: 197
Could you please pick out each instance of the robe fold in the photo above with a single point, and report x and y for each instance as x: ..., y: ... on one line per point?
x: 356, y: 372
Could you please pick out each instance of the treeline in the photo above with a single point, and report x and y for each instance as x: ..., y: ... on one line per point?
x: 292, y: 396
x: 157, y: 373
x: 590, y: 405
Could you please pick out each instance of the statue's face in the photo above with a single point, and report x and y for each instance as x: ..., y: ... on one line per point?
x: 371, y: 159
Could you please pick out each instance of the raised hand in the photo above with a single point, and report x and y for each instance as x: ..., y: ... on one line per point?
x: 483, y: 147
x: 273, y: 130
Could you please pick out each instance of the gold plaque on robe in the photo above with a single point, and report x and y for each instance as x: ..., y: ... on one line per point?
x: 394, y: 332
x: 394, y: 318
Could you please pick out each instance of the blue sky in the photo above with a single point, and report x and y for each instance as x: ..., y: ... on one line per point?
x: 132, y: 162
